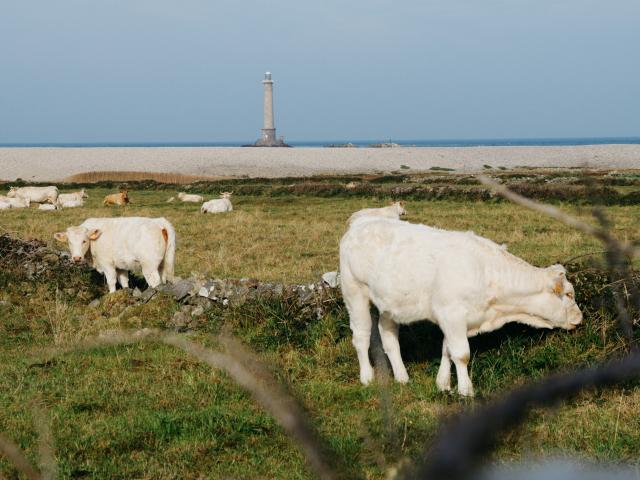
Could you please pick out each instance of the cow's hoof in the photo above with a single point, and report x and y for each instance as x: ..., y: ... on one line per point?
x: 366, y: 376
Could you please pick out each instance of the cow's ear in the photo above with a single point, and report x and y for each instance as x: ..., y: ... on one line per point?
x: 60, y: 236
x: 558, y: 285
x: 94, y: 234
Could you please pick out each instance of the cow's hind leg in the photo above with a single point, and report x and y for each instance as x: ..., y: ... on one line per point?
x: 443, y: 380
x: 356, y: 298
x: 123, y: 278
x: 453, y: 325
x: 389, y: 335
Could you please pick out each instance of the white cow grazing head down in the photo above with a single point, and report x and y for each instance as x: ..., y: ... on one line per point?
x: 464, y: 283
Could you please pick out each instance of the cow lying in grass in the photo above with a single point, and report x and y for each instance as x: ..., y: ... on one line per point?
x: 190, y: 197
x: 14, y: 202
x: 395, y: 210
x: 121, y: 198
x: 218, y: 205
x: 73, y: 198
x: 464, y: 283
x: 115, y: 246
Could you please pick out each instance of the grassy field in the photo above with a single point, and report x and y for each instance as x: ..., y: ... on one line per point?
x: 148, y: 411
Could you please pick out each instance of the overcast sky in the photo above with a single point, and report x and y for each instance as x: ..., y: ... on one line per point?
x: 190, y: 70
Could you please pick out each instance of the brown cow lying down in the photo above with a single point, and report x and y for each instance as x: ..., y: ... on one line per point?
x: 121, y: 198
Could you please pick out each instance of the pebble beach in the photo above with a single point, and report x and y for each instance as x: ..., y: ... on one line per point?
x: 40, y: 164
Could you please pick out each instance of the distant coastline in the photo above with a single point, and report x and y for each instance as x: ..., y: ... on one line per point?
x: 438, y: 143
x: 58, y: 164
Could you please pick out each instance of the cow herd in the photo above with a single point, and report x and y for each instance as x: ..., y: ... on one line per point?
x: 464, y: 283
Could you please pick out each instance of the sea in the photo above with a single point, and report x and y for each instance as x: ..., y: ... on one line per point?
x: 492, y: 142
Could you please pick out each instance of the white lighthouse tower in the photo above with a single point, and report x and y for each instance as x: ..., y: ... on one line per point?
x: 268, y: 137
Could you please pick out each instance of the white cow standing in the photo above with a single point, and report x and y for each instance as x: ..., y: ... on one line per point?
x: 464, y: 283
x: 114, y: 246
x: 218, y: 205
x: 35, y: 194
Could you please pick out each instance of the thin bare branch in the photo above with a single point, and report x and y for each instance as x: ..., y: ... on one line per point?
x: 569, y: 220
x: 248, y: 371
x: 462, y: 445
x: 46, y: 452
x: 18, y: 459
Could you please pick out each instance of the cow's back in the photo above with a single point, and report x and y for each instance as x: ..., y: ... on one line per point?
x: 127, y: 241
x: 408, y: 269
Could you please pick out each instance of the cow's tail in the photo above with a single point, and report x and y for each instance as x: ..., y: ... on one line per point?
x: 169, y: 260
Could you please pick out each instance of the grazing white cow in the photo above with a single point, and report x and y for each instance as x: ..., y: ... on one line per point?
x: 48, y: 206
x: 218, y: 205
x: 464, y: 283
x: 190, y: 197
x: 73, y: 196
x: 395, y: 210
x: 115, y: 246
x: 35, y: 194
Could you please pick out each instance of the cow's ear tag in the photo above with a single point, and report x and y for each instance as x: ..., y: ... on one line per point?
x: 557, y: 288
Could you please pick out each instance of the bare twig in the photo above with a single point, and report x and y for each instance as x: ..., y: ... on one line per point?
x: 248, y: 371
x: 569, y: 220
x: 16, y: 456
x: 47, y: 459
x: 463, y: 444
x: 252, y: 375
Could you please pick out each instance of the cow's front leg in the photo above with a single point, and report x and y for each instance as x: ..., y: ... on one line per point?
x: 443, y: 380
x: 110, y: 275
x: 389, y: 335
x: 454, y: 327
x: 123, y: 278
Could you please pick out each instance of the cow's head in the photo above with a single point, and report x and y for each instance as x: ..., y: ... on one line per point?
x: 79, y: 240
x: 226, y: 194
x: 181, y: 195
x: 556, y: 304
x: 84, y: 194
x: 400, y: 208
x: 12, y: 192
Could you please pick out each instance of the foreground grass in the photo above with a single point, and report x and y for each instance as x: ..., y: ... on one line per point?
x: 147, y: 411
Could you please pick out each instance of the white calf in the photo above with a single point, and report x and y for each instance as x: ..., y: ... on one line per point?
x: 35, y: 194
x: 115, y: 246
x: 464, y: 283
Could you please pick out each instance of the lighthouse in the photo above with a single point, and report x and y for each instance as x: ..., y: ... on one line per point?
x: 268, y: 137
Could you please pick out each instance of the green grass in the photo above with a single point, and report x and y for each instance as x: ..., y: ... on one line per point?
x: 148, y: 411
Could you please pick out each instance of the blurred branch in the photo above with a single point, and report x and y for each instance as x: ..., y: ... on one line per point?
x: 248, y: 371
x: 602, y: 233
x: 462, y: 445
x: 16, y: 456
x: 46, y: 449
